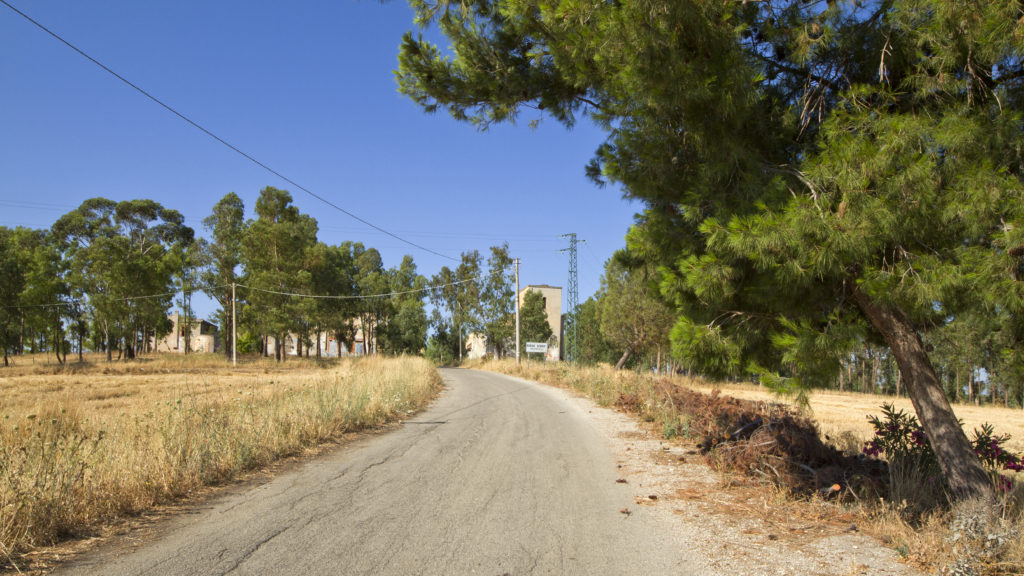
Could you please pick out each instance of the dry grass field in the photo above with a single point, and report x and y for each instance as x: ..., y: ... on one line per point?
x: 85, y: 444
x: 839, y: 412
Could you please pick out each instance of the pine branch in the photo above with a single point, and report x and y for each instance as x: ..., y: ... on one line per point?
x: 801, y: 72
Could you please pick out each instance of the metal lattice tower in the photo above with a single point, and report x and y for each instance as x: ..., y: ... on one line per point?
x: 574, y: 300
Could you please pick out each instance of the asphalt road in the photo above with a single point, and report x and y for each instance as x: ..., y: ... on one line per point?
x: 499, y: 476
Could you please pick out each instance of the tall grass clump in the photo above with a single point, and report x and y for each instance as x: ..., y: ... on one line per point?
x: 76, y: 465
x: 43, y: 459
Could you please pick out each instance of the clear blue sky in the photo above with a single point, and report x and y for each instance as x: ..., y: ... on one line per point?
x: 305, y: 87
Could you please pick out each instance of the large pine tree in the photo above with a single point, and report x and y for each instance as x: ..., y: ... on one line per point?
x: 815, y: 173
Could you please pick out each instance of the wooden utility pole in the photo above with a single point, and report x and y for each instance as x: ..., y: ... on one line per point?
x: 234, y: 332
x: 517, y: 311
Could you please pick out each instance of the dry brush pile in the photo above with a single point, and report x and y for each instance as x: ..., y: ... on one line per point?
x: 91, y: 448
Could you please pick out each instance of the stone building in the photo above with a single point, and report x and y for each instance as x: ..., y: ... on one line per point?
x: 331, y: 345
x: 553, y: 306
x: 204, y: 337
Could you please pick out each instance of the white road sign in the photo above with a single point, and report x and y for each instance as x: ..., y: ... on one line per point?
x: 536, y: 347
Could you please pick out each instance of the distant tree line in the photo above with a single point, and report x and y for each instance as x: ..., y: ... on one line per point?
x: 71, y: 287
x: 468, y: 300
x: 277, y: 256
x: 105, y: 275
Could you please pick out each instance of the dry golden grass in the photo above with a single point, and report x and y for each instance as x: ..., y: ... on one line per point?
x: 839, y: 412
x: 83, y: 445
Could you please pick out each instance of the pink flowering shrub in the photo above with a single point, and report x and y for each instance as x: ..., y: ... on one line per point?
x: 898, y: 436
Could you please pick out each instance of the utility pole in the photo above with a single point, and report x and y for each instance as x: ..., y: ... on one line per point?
x: 234, y: 331
x: 574, y: 300
x: 517, y: 311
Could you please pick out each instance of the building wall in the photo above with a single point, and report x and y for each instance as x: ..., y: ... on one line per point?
x: 476, y: 346
x: 553, y: 306
x: 203, y: 339
x: 330, y: 345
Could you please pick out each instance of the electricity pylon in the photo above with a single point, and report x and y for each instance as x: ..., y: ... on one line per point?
x: 574, y: 300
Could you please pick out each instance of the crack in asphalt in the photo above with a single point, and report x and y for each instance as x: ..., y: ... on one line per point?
x: 253, y: 549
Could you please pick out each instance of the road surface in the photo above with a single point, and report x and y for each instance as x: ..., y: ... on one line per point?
x: 499, y: 476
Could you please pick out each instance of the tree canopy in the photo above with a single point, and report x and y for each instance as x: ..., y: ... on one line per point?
x: 633, y: 316
x: 117, y: 251
x: 226, y: 225
x: 105, y: 275
x: 815, y: 174
x: 533, y: 319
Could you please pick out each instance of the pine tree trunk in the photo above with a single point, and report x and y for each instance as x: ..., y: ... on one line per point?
x: 960, y: 465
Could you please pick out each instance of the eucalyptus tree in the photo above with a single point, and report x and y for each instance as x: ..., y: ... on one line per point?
x: 12, y: 282
x: 46, y: 296
x: 442, y: 317
x: 593, y: 347
x: 497, y: 300
x: 467, y: 314
x: 456, y: 296
x: 28, y: 333
x: 634, y: 318
x: 371, y: 282
x: 406, y: 329
x: 223, y: 258
x: 334, y: 274
x: 812, y: 171
x: 276, y: 248
x: 121, y: 257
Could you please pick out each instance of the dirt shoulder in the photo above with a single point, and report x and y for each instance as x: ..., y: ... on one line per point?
x: 733, y: 526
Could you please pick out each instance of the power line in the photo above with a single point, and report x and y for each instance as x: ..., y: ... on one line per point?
x: 359, y: 296
x: 253, y: 288
x: 221, y: 140
x: 122, y: 299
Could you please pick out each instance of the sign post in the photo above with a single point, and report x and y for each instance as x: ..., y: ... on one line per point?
x: 535, y: 347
